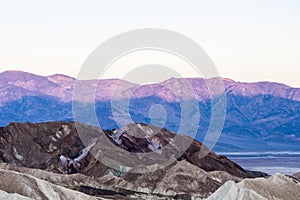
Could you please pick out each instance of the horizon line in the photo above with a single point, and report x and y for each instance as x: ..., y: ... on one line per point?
x: 151, y: 83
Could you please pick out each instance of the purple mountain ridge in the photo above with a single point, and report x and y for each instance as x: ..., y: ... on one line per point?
x: 16, y: 84
x: 259, y: 116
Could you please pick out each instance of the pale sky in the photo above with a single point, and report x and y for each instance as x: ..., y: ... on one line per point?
x: 257, y: 40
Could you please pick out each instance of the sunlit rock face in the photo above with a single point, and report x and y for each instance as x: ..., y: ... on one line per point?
x: 20, y: 186
x: 277, y: 186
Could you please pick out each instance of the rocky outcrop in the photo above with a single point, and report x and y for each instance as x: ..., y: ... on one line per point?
x: 276, y: 187
x: 5, y: 195
x: 231, y: 191
x: 188, y: 179
x: 29, y: 186
x: 55, y: 147
x: 108, y: 186
x: 182, y: 181
x: 297, y: 176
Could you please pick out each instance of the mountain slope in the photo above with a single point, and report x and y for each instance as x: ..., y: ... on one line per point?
x: 55, y: 147
x: 33, y: 166
x: 42, y: 145
x: 61, y: 87
x: 276, y: 187
x: 259, y: 116
x: 29, y: 186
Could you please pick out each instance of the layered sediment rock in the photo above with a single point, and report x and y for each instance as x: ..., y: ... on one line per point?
x: 54, y: 153
x: 277, y: 186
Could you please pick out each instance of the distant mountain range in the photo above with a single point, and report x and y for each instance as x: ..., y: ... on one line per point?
x: 259, y: 116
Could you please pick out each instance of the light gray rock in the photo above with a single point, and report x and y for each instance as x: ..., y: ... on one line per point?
x: 232, y: 191
x: 277, y: 186
x: 31, y: 187
x: 186, y: 178
x: 12, y: 196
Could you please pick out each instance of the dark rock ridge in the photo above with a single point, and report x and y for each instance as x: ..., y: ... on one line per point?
x: 260, y: 116
x: 56, y: 147
x: 44, y: 145
x: 297, y: 176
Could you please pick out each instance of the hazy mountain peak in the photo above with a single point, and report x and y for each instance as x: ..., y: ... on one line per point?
x: 15, y: 75
x: 62, y: 80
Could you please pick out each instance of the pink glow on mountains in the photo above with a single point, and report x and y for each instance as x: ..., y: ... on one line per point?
x: 17, y: 84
